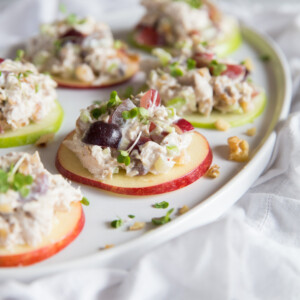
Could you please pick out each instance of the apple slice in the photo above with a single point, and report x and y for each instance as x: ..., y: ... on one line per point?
x: 230, y: 42
x: 133, y: 67
x: 32, y: 132
x: 180, y: 176
x: 66, y: 228
x: 234, y: 119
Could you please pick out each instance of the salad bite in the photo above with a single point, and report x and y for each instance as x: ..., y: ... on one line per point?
x: 40, y: 213
x: 178, y: 25
x: 28, y: 106
x: 133, y: 146
x: 81, y: 53
x: 205, y: 89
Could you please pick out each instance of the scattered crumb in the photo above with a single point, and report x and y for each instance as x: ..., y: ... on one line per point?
x: 44, y: 140
x: 213, y: 171
x: 3, y: 233
x: 183, y: 209
x: 6, y: 208
x: 246, y: 106
x: 248, y: 64
x: 137, y: 226
x: 239, y: 149
x: 109, y: 246
x: 251, y: 131
x: 222, y: 125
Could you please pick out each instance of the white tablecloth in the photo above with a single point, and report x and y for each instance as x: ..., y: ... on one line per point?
x: 252, y: 252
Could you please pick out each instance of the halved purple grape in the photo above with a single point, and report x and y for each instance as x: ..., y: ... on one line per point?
x: 117, y: 118
x: 103, y: 134
x: 72, y: 36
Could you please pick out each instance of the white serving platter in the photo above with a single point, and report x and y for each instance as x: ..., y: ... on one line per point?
x: 207, y: 198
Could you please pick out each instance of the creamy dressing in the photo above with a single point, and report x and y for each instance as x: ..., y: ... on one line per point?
x: 151, y: 150
x: 25, y: 220
x: 25, y: 94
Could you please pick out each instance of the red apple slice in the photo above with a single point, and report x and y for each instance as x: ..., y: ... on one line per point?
x: 65, y: 230
x: 180, y: 176
x: 132, y: 61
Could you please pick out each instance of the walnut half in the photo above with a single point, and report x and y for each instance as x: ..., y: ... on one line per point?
x: 239, y: 149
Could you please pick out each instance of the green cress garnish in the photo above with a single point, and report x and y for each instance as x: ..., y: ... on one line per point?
x: 114, y: 100
x: 204, y: 44
x: 19, y: 55
x: 123, y: 158
x: 116, y: 223
x: 217, y: 68
x: 175, y: 70
x: 191, y: 64
x: 163, y: 220
x: 140, y: 112
x: 162, y: 204
x: 96, y: 113
x: 265, y: 57
x: 131, y: 216
x: 36, y: 87
x: 16, y: 181
x: 71, y: 19
x: 85, y: 201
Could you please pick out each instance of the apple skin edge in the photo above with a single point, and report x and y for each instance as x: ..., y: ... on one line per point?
x: 39, y: 254
x: 155, y: 189
x: 133, y: 64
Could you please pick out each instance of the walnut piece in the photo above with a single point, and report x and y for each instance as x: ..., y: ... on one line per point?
x: 251, y: 131
x: 239, y: 149
x: 183, y: 209
x: 213, y: 171
x: 109, y: 246
x: 44, y: 140
x: 137, y: 226
x: 222, y: 125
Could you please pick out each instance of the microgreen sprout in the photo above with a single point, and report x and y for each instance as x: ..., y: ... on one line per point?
x: 140, y: 112
x: 191, y: 64
x: 162, y: 204
x: 16, y: 181
x: 85, y: 201
x: 114, y: 100
x: 175, y: 70
x: 164, y: 219
x: 71, y: 19
x: 217, y: 68
x: 265, y: 57
x: 19, y: 54
x: 116, y: 223
x: 131, y: 216
x: 123, y: 158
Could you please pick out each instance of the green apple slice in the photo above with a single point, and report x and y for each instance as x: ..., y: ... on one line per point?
x: 231, y: 41
x: 31, y: 133
x: 234, y: 119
